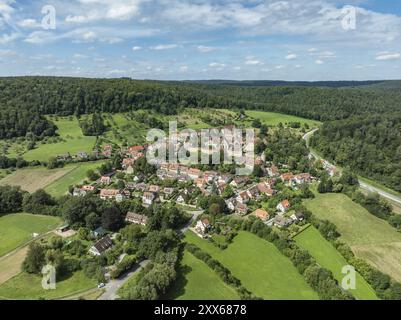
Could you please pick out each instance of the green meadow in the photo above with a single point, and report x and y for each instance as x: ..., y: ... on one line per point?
x: 328, y: 257
x: 76, y: 176
x: 196, y: 281
x: 17, y: 229
x: 29, y: 287
x: 260, y: 267
x: 73, y: 141
x: 369, y: 237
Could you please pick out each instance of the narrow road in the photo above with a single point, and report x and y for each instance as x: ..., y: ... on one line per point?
x: 363, y: 185
x: 113, y: 285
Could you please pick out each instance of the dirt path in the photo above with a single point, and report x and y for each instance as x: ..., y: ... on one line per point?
x: 10, y: 265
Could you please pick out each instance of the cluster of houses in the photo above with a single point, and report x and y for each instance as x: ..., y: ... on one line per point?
x: 245, y: 193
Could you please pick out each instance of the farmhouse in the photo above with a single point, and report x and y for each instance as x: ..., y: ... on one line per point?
x: 148, y: 198
x: 202, y: 226
x: 241, y: 209
x: 79, y: 192
x: 273, y: 171
x: 282, y: 222
x: 107, y: 151
x: 105, y: 180
x: 136, y: 218
x: 108, y: 194
x: 283, y: 206
x: 239, y: 182
x: 261, y: 214
x: 88, y: 188
x: 303, y: 178
x: 154, y: 189
x: 101, y: 246
x: 194, y: 173
x: 287, y: 178
x: 243, y: 197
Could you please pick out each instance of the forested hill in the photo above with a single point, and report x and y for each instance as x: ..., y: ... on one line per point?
x: 24, y: 100
x: 359, y: 117
x: 370, y: 145
x: 275, y: 83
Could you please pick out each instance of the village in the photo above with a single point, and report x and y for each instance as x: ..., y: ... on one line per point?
x: 182, y: 185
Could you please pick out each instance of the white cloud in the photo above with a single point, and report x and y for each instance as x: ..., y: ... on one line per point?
x: 253, y: 62
x: 79, y: 56
x: 97, y: 10
x: 184, y: 68
x: 217, y: 65
x: 319, y: 61
x: 136, y: 48
x: 291, y: 56
x: 164, y: 47
x: 8, y: 38
x: 384, y: 56
x: 205, y: 49
x: 29, y: 24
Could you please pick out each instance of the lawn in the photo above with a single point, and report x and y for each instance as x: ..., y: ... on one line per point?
x: 74, y: 142
x: 32, y: 179
x: 328, y: 257
x: 17, y: 229
x: 370, y: 238
x: 261, y: 268
x: 75, y: 176
x: 29, y: 287
x: 196, y: 281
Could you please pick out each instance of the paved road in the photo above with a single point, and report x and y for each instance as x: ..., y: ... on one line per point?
x: 363, y: 185
x: 113, y: 285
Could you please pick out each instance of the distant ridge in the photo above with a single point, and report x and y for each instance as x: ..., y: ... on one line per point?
x: 330, y: 84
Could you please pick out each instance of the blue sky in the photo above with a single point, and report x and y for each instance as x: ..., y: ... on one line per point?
x: 209, y: 39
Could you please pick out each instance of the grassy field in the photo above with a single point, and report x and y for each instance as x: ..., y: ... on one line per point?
x: 261, y: 268
x: 75, y: 176
x: 196, y: 281
x: 32, y: 179
x: 29, y: 287
x: 370, y: 238
x: 74, y: 142
x: 328, y: 257
x: 273, y: 119
x: 17, y: 229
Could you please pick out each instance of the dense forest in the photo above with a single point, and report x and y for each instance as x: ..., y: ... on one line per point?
x: 370, y: 145
x: 362, y: 119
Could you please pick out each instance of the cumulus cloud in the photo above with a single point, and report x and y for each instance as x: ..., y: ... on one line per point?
x: 205, y: 49
x: 164, y: 47
x: 136, y: 48
x: 291, y: 56
x: 383, y: 56
x: 253, y: 62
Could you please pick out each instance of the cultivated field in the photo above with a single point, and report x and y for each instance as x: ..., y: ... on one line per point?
x: 370, y: 238
x: 261, y: 268
x: 33, y: 179
x: 328, y: 257
x: 17, y: 229
x: 196, y: 281
x: 29, y: 287
x: 75, y: 176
